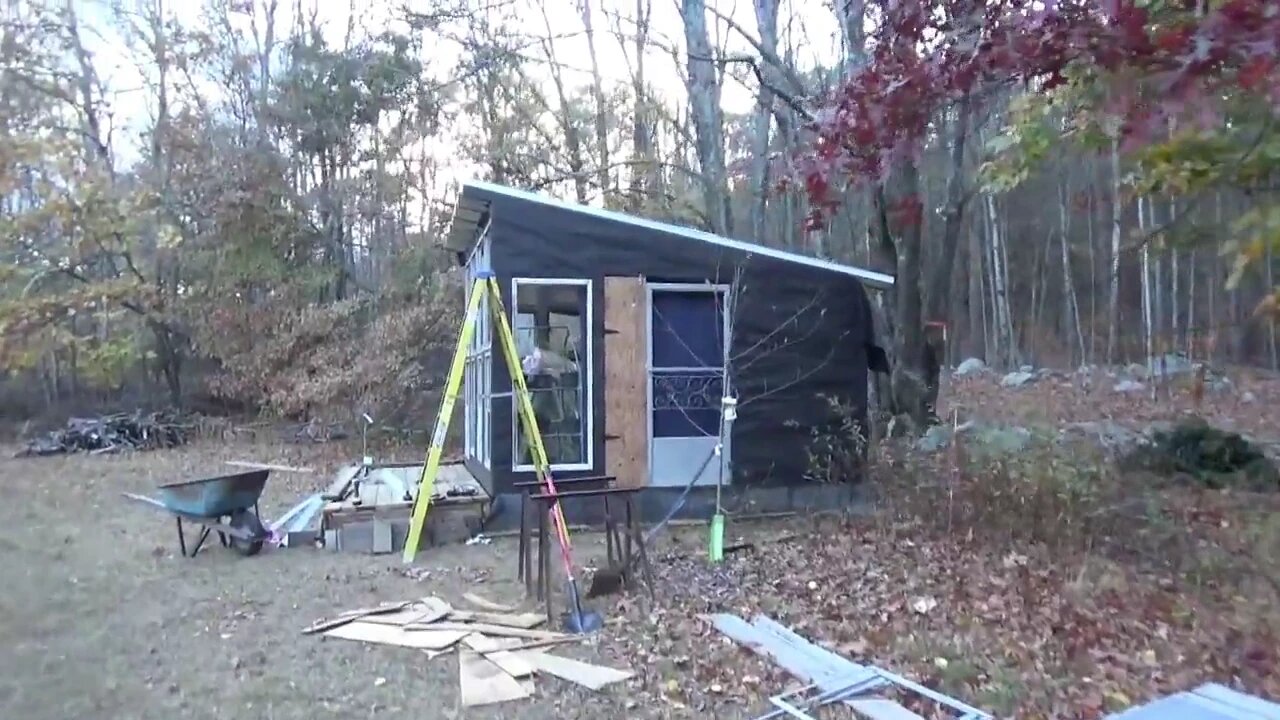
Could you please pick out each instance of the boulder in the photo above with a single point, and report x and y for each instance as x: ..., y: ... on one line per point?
x: 971, y: 366
x: 984, y: 439
x: 1017, y: 379
x: 1128, y: 386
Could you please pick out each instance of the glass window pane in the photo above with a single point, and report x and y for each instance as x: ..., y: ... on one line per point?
x: 688, y: 329
x: 551, y: 335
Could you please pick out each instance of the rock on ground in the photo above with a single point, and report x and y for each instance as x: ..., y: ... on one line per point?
x: 1017, y: 379
x: 971, y: 366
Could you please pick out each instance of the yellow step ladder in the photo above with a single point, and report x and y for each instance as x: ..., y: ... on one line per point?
x: 486, y: 286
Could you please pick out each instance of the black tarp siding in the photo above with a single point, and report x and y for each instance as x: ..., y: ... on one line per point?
x: 800, y: 332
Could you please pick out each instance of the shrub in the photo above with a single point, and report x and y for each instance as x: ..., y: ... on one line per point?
x: 1212, y: 457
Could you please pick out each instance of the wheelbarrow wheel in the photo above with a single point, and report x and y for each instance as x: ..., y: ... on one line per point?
x: 247, y: 521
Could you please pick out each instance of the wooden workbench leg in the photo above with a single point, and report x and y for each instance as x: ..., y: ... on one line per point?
x: 545, y: 544
x: 634, y: 529
x: 542, y: 554
x: 522, y: 553
x: 608, y: 532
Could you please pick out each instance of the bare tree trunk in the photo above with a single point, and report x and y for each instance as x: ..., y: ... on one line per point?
x: 1159, y: 317
x: 852, y: 16
x: 977, y: 302
x: 939, y: 287
x: 1091, y: 216
x: 999, y: 287
x: 603, y: 174
x: 1192, y: 327
x: 767, y: 23
x: 643, y: 164
x: 916, y: 366
x: 572, y: 140
x: 1070, y: 302
x: 1113, y: 296
x: 1269, y: 276
x: 1215, y: 274
x: 1148, y: 333
x: 704, y: 108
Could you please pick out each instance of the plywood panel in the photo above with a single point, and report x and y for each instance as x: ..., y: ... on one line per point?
x: 626, y: 427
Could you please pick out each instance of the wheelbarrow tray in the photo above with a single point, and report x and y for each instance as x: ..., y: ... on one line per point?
x: 227, y: 505
x: 216, y: 496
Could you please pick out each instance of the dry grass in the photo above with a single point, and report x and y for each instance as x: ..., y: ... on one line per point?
x: 102, y: 620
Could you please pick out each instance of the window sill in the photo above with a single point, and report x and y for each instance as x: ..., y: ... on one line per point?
x: 568, y: 467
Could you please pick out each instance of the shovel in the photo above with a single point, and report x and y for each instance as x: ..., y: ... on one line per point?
x: 578, y: 620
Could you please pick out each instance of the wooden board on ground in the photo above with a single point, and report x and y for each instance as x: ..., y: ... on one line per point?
x: 487, y: 629
x: 426, y: 610
x: 626, y: 447
x: 353, y: 615
x: 399, y: 617
x: 481, y: 682
x: 498, y: 650
x: 517, y: 620
x: 268, y: 466
x: 575, y: 671
x: 398, y: 636
x: 489, y: 605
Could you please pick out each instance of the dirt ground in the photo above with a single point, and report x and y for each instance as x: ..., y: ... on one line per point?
x: 100, y: 617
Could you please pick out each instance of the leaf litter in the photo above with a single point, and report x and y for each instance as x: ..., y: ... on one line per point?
x: 1018, y: 631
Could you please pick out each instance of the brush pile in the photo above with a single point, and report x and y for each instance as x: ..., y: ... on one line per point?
x: 111, y: 433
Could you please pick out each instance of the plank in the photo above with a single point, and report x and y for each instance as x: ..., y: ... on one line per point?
x: 575, y: 671
x: 481, y: 682
x: 881, y: 709
x: 1208, y: 702
x: 352, y: 615
x: 489, y: 605
x: 487, y: 629
x: 269, y: 466
x: 400, y: 617
x: 341, y: 483
x: 535, y: 644
x: 1183, y: 706
x: 788, y: 658
x: 1235, y: 699
x: 516, y: 620
x: 824, y: 662
x: 797, y: 656
x: 391, y: 635
x: 498, y: 650
x: 426, y: 610
x: 626, y: 448
x: 430, y: 615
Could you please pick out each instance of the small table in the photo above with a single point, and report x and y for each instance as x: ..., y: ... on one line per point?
x: 528, y: 488
x: 622, y: 548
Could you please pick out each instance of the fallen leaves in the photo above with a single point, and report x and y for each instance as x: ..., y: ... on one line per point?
x: 1013, y: 632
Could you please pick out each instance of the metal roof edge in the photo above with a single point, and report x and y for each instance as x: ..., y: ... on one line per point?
x: 871, y: 277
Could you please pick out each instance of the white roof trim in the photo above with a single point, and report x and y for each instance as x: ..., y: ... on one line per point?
x: 877, y: 279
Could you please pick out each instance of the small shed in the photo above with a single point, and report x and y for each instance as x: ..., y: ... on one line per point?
x: 628, y: 329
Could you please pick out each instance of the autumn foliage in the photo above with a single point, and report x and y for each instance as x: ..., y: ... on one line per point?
x: 1157, y: 64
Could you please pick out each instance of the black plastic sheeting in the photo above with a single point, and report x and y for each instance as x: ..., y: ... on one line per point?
x: 802, y: 338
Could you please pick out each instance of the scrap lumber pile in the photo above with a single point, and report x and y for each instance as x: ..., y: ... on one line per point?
x: 110, y: 433
x: 500, y: 651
